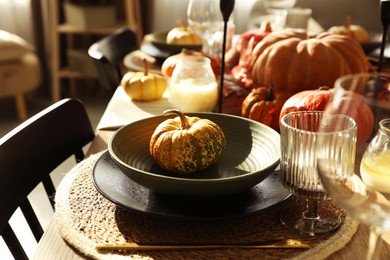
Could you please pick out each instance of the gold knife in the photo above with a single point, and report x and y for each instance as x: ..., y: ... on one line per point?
x: 271, y: 244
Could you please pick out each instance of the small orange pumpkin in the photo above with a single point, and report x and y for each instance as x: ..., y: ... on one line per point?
x: 307, y: 100
x: 318, y: 100
x: 263, y: 106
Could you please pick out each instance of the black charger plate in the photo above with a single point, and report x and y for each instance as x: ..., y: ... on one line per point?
x: 113, y: 184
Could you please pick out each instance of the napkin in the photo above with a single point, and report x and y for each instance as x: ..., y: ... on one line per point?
x: 122, y: 110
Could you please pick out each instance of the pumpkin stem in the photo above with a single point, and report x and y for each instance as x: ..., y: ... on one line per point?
x: 185, y: 51
x: 347, y: 21
x: 266, y: 26
x: 324, y: 88
x: 182, y: 24
x: 146, y: 66
x: 270, y: 92
x: 183, y: 120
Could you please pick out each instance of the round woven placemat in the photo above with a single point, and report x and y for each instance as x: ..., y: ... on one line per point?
x: 85, y: 218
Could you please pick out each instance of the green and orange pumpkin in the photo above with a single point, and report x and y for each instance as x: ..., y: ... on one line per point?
x: 186, y: 144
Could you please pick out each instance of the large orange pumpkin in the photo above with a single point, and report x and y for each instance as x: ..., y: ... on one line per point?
x: 293, y: 62
x: 263, y: 106
x: 318, y: 100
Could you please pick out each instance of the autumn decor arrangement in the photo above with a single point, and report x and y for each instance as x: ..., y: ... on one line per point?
x: 291, y: 62
x: 239, y: 57
x: 144, y: 86
x: 186, y: 144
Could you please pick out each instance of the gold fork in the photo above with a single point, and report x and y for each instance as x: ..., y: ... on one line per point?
x: 270, y: 244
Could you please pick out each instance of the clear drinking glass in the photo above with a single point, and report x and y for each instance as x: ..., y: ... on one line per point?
x: 279, y: 10
x: 298, y: 19
x: 299, y: 132
x: 205, y: 19
x: 362, y: 192
x: 193, y: 86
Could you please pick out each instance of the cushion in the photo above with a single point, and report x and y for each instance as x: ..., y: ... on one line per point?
x: 12, y: 47
x: 20, y: 76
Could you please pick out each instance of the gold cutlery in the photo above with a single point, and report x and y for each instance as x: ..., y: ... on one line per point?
x: 271, y: 244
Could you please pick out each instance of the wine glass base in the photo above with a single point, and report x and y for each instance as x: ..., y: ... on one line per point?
x: 293, y: 216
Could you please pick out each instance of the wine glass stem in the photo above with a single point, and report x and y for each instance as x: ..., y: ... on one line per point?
x: 374, y: 243
x: 311, y: 214
x: 311, y: 206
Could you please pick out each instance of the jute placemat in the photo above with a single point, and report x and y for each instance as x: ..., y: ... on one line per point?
x: 85, y: 218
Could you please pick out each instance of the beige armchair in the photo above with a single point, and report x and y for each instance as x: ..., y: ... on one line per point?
x: 20, y: 70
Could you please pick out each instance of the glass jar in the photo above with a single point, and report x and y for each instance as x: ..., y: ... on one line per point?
x: 375, y: 165
x: 193, y: 86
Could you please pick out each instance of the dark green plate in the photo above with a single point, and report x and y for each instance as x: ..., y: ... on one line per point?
x: 251, y: 155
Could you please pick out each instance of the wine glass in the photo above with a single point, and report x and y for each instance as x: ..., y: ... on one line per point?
x: 298, y: 131
x: 363, y: 192
x: 205, y: 19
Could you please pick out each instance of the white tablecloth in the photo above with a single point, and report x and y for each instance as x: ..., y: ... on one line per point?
x: 121, y: 110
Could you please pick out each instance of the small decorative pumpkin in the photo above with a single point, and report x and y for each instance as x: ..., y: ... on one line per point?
x: 144, y: 86
x: 318, y: 100
x: 169, y: 63
x: 186, y: 144
x: 263, y: 106
x: 293, y: 62
x: 357, y: 32
x: 183, y: 35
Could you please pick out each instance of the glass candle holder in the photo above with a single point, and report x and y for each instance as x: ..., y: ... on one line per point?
x: 193, y: 86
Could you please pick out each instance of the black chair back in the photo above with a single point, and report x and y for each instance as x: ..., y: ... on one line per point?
x: 30, y: 152
x: 108, y: 54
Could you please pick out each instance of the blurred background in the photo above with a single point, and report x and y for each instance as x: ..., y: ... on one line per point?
x: 40, y: 52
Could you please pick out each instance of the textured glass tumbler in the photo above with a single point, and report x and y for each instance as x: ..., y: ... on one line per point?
x: 299, y: 174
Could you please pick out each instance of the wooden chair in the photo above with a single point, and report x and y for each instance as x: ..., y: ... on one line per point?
x: 108, y: 54
x: 29, y: 153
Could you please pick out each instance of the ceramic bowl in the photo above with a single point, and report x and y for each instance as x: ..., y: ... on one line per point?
x: 251, y: 155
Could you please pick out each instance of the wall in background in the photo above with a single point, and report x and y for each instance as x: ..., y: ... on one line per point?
x: 332, y: 12
x: 161, y: 15
x: 15, y: 17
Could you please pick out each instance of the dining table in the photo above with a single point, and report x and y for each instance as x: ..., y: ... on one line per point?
x: 84, y: 217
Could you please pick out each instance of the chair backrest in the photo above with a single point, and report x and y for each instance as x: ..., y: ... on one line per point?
x: 108, y: 54
x: 30, y: 152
